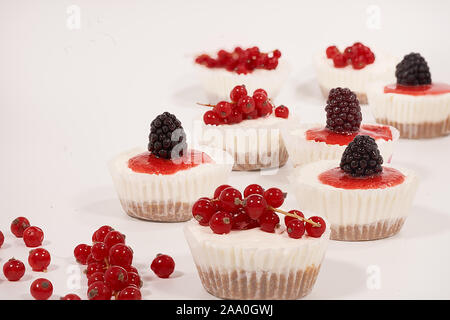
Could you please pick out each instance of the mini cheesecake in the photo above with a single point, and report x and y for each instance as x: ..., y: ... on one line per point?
x: 355, y: 68
x: 260, y: 70
x: 253, y: 264
x: 154, y: 186
x: 311, y: 142
x: 361, y: 199
x: 417, y: 107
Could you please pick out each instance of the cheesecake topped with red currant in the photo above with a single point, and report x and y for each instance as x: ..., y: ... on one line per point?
x: 162, y: 182
x: 248, y: 127
x: 312, y: 142
x: 361, y: 197
x: 222, y: 71
x: 417, y: 106
x: 354, y: 67
x: 239, y: 245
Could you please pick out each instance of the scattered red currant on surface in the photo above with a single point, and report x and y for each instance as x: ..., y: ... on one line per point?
x: 39, y: 259
x: 219, y: 190
x: 99, y: 251
x: 2, y: 239
x: 96, y: 276
x: 288, y: 218
x: 255, y: 205
x: 81, y: 253
x: 295, y: 228
x: 332, y: 51
x: 163, y: 265
x: 13, y: 269
x: 274, y: 197
x: 282, y: 112
x: 229, y: 199
x: 116, y: 277
x: 253, y: 189
x: 277, y: 53
x: 246, y: 104
x: 359, y: 62
x: 238, y: 92
x: 19, y: 225
x: 100, y: 234
x: 70, y: 296
x: 134, y: 279
x: 221, y: 223
x: 265, y: 109
x: 99, y: 291
x: 129, y: 293
x: 314, y: 231
x: 202, y: 210
x: 33, y: 236
x: 120, y: 255
x: 268, y: 221
x: 41, y: 289
x: 113, y: 237
x: 339, y: 61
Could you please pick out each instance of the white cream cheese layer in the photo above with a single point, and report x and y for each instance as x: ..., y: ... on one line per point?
x: 344, y: 207
x: 254, y: 250
x: 182, y: 186
x: 383, y: 69
x: 218, y: 82
x: 404, y: 108
x: 302, y: 151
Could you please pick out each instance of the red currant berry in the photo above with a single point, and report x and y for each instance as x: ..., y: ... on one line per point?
x: 81, y: 253
x: 282, y: 112
x: 134, y: 279
x: 235, y: 117
x: 99, y: 251
x: 2, y: 239
x: 258, y: 91
x: 240, y: 220
x: 370, y: 57
x: 70, y: 296
x: 349, y: 53
x: 129, y: 293
x: 39, y: 259
x: 19, y: 225
x: 246, y: 104
x: 131, y: 269
x: 274, y: 197
x: 202, y: 210
x: 221, y: 222
x: 230, y: 199
x: 99, y: 291
x: 255, y: 205
x: 314, y: 231
x: 359, y: 62
x: 33, y: 237
x: 219, y: 190
x: 237, y: 93
x: 120, y: 255
x: 268, y: 221
x: 90, y: 259
x: 163, y: 265
x: 96, y: 276
x: 295, y: 228
x: 223, y: 109
x: 41, y: 289
x: 100, y: 234
x: 113, y: 237
x: 94, y: 267
x: 259, y: 98
x: 253, y: 189
x: 252, y: 115
x: 287, y: 218
x: 212, y: 118
x: 339, y: 61
x: 13, y: 269
x: 332, y: 51
x: 277, y: 53
x: 266, y: 109
x: 116, y: 277
x: 271, y: 63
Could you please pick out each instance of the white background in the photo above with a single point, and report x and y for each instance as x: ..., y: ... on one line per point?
x: 71, y: 99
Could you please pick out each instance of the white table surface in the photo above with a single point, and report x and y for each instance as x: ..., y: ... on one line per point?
x: 71, y: 99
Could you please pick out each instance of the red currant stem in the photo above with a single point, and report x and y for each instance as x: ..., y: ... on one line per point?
x: 293, y: 215
x: 107, y: 263
x: 206, y: 105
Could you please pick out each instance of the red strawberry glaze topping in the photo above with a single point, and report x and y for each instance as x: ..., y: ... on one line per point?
x: 148, y: 163
x: 429, y: 89
x: 337, y: 178
x: 330, y: 137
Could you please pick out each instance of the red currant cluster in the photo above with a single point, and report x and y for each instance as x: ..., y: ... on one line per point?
x: 241, y: 61
x: 229, y: 210
x: 242, y: 107
x: 38, y: 259
x: 109, y: 266
x: 357, y: 55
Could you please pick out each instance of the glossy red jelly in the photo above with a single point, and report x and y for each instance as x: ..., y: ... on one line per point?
x: 429, y: 89
x: 148, y: 163
x: 337, y: 178
x: 330, y: 137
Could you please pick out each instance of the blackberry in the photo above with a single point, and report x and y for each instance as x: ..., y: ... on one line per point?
x: 167, y: 138
x: 362, y: 158
x: 343, y: 111
x: 413, y: 71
